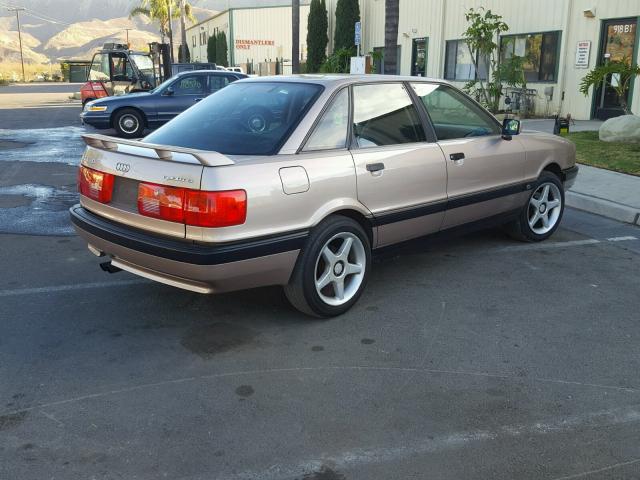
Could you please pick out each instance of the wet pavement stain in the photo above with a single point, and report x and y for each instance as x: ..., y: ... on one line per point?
x: 325, y: 473
x: 317, y: 348
x: 36, y: 209
x: 11, y: 420
x: 209, y: 340
x: 367, y: 341
x: 244, y: 391
x: 61, y: 145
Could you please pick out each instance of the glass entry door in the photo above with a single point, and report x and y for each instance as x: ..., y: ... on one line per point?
x: 616, y: 45
x: 419, y: 56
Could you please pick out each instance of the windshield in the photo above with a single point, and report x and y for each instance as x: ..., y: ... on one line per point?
x: 145, y: 66
x: 253, y: 118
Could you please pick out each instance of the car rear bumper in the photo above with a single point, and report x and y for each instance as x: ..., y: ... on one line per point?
x: 196, y: 267
x: 569, y: 176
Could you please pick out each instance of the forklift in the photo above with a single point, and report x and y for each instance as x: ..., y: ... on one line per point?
x: 117, y: 70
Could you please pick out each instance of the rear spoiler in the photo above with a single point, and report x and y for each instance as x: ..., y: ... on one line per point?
x: 164, y: 152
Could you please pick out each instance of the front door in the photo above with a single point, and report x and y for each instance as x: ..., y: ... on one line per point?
x: 616, y: 45
x: 186, y: 91
x: 419, y: 57
x: 485, y: 172
x: 401, y: 177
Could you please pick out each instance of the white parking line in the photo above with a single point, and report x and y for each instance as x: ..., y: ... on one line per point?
x: 621, y: 239
x: 67, y: 288
x: 546, y: 245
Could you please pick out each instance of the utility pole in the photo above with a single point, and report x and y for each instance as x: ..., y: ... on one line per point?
x: 127, y: 30
x: 18, y: 10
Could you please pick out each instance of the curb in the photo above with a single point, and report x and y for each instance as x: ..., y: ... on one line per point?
x: 606, y: 208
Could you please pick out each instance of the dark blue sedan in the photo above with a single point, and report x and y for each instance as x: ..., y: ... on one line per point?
x: 130, y: 114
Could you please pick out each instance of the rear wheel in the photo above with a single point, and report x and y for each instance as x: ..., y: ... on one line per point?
x: 541, y: 216
x: 332, y: 270
x: 128, y: 123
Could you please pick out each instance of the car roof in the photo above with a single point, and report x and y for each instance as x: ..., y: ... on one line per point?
x: 208, y: 72
x: 334, y: 79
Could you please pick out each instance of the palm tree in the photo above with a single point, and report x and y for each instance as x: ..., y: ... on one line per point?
x: 391, y: 14
x: 295, y: 34
x: 186, y: 11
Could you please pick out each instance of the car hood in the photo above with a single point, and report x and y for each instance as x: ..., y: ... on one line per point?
x: 120, y: 98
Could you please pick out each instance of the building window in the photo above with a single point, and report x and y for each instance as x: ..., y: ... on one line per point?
x: 378, y: 66
x: 193, y: 41
x: 540, y: 52
x: 459, y: 63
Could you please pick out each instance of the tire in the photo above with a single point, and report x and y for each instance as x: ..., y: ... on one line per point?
x: 538, y: 219
x: 321, y: 261
x: 129, y: 123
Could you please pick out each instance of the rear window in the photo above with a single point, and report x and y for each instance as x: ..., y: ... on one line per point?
x: 242, y: 119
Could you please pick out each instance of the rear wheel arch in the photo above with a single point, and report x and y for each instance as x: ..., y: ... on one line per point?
x: 363, y: 221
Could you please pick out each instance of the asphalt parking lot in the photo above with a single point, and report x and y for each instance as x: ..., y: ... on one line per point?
x: 472, y: 358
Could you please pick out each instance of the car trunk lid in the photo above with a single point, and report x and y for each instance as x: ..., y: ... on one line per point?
x: 134, y: 162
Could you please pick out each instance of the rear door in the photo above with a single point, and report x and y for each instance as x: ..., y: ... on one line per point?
x: 485, y: 172
x: 401, y: 176
x: 187, y: 91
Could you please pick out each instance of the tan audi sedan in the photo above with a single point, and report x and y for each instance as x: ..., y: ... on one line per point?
x: 295, y: 181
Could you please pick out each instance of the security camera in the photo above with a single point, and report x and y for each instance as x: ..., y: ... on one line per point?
x: 589, y: 12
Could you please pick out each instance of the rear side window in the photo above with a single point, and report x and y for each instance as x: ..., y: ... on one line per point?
x: 245, y: 118
x: 454, y: 115
x: 331, y: 130
x: 216, y: 82
x: 384, y: 114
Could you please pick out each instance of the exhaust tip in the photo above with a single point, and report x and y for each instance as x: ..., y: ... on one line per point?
x: 109, y: 268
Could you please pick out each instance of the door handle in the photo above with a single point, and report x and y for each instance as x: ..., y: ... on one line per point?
x: 457, y: 156
x: 375, y: 167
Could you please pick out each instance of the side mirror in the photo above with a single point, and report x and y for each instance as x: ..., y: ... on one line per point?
x: 510, y: 127
x: 168, y: 91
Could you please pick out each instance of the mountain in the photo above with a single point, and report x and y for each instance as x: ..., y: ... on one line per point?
x: 62, y: 29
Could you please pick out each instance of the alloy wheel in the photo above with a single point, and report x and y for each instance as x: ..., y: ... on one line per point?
x: 340, y: 268
x: 545, y: 207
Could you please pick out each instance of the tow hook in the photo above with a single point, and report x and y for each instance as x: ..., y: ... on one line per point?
x: 107, y: 267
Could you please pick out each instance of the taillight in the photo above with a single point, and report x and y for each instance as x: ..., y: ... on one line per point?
x: 193, y: 207
x: 98, y: 89
x: 215, y: 209
x: 158, y: 201
x: 95, y: 185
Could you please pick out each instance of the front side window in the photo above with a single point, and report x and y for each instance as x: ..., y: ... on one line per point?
x: 452, y: 114
x: 539, y: 51
x: 189, y: 85
x: 384, y: 114
x: 459, y: 63
x: 331, y: 130
x: 99, y: 70
x: 245, y: 118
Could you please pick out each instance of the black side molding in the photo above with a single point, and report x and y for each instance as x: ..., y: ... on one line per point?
x: 182, y: 251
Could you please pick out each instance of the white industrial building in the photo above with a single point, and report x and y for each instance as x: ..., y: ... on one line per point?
x: 257, y: 34
x: 563, y: 40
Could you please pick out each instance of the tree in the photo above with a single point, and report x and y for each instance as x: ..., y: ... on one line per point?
x: 625, y: 72
x: 317, y: 39
x: 481, y: 37
x: 391, y: 14
x: 185, y: 11
x: 347, y: 14
x: 295, y: 36
x: 221, y: 49
x: 157, y: 10
x: 211, y: 48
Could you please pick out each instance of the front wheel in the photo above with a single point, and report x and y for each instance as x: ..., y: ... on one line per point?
x: 541, y: 215
x: 129, y: 123
x: 332, y: 270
